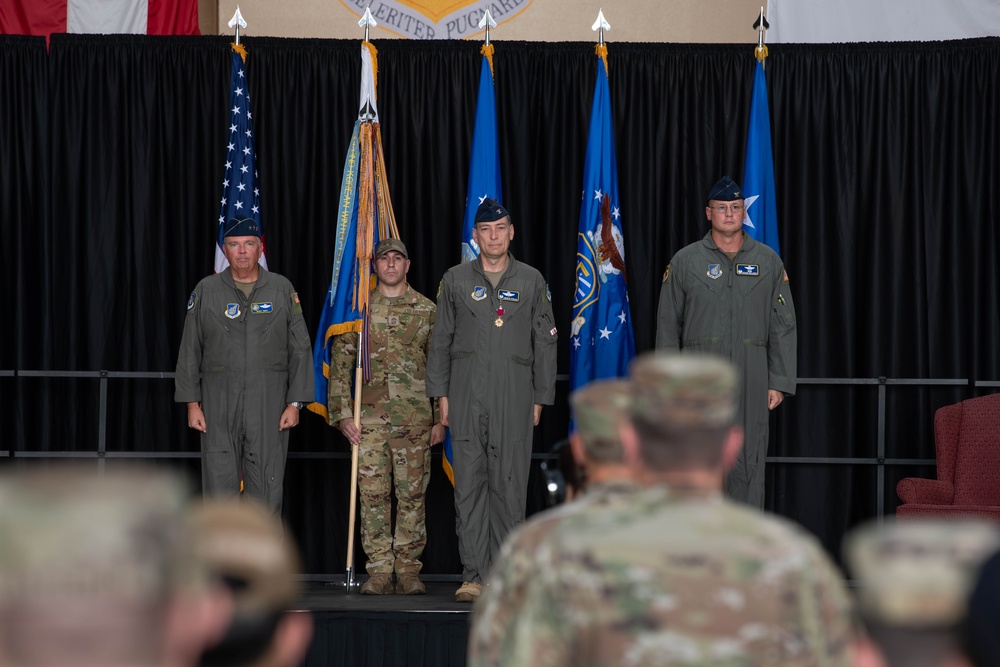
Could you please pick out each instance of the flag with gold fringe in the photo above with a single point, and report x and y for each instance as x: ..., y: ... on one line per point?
x: 760, y: 220
x: 484, y: 181
x: 240, y: 193
x: 364, y: 216
x: 602, y: 342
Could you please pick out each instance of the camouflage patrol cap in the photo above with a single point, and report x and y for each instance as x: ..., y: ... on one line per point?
x: 387, y: 244
x: 673, y: 390
x: 68, y: 532
x: 918, y: 572
x: 598, y: 409
x: 245, y: 546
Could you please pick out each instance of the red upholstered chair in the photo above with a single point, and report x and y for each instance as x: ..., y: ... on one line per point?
x: 967, y: 441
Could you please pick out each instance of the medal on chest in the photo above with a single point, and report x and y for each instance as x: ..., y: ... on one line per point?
x: 499, y: 320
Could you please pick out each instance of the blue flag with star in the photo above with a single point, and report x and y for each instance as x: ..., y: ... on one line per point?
x: 484, y: 163
x: 761, y: 217
x: 240, y: 194
x: 601, y: 340
x: 484, y: 181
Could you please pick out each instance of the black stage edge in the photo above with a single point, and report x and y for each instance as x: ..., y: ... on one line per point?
x: 357, y: 630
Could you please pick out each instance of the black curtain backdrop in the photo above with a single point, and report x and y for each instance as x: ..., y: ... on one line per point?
x: 886, y: 156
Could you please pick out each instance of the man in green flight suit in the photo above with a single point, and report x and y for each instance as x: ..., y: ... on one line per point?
x: 397, y: 423
x: 492, y: 362
x: 244, y: 369
x: 729, y: 295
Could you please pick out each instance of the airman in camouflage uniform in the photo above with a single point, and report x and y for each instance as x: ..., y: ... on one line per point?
x: 92, y: 568
x: 914, y: 581
x: 397, y: 423
x: 673, y: 573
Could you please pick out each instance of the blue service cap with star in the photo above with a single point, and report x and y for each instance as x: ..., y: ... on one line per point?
x: 242, y: 227
x: 490, y: 210
x: 725, y: 189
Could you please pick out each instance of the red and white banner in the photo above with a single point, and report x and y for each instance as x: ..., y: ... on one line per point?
x: 152, y: 17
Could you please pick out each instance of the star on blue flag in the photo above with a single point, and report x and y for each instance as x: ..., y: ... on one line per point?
x: 601, y: 341
x: 240, y: 194
x: 761, y: 218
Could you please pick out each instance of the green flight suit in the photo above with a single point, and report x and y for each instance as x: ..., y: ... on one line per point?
x: 244, y: 360
x: 742, y: 310
x: 492, y: 375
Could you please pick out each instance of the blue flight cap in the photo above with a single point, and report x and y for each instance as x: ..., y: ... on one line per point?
x: 725, y: 189
x: 242, y: 227
x: 490, y: 210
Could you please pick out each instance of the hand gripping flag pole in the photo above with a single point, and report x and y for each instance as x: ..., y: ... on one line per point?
x: 364, y: 217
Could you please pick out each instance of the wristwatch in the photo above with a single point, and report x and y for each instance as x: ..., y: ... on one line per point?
x: 297, y: 405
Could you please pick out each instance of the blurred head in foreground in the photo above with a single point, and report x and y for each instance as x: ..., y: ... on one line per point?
x: 247, y: 549
x: 100, y: 570
x: 914, y: 581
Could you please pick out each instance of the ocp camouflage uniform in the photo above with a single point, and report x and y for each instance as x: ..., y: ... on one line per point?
x: 663, y: 576
x: 396, y: 418
x: 666, y: 575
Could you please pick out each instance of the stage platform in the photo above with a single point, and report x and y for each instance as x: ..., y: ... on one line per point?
x: 357, y: 630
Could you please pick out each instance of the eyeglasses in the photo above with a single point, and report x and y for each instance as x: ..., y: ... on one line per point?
x: 722, y: 208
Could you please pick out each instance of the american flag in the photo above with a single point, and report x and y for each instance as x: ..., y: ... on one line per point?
x: 240, y: 194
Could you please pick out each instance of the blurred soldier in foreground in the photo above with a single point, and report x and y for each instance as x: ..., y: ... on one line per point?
x: 397, y: 423
x: 99, y: 571
x: 981, y: 630
x: 674, y: 573
x: 248, y: 551
x: 598, y: 410
x: 914, y: 579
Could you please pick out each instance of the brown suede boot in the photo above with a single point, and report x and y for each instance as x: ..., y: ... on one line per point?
x: 377, y: 584
x: 469, y: 592
x: 409, y: 584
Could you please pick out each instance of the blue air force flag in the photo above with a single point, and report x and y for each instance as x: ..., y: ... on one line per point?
x: 761, y: 218
x: 484, y: 163
x: 601, y: 341
x: 240, y: 194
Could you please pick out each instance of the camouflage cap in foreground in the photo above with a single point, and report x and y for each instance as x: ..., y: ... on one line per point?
x: 67, y: 532
x: 598, y: 409
x: 243, y: 544
x: 918, y: 572
x: 683, y: 390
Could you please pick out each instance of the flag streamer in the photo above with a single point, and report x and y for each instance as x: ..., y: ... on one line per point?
x: 364, y: 217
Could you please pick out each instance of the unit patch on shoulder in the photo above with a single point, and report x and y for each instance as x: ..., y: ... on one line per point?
x: 786, y: 274
x: 666, y: 274
x: 548, y: 293
x: 193, y: 299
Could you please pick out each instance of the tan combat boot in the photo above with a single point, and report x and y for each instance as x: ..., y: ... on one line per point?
x: 377, y: 584
x: 408, y: 583
x: 469, y: 592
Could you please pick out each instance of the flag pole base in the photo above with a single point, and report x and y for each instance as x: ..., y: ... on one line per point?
x: 349, y: 582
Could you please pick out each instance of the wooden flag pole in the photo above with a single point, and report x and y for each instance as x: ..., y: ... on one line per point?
x: 358, y: 381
